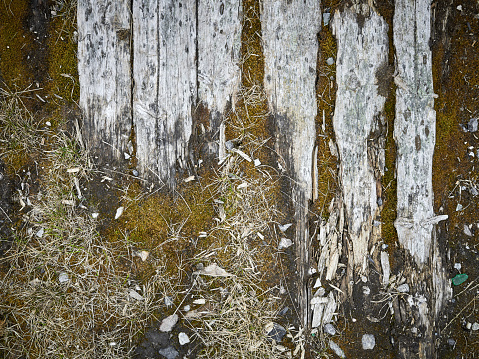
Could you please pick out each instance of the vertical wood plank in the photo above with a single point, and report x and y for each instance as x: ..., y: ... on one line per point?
x: 362, y: 52
x: 165, y: 84
x: 219, y: 45
x: 105, y: 76
x: 289, y: 32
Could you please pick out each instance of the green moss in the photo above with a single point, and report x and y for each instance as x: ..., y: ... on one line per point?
x: 14, y: 40
x: 62, y: 59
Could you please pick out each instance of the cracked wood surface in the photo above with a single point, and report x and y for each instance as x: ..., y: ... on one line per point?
x: 362, y: 52
x: 151, y: 80
x: 105, y: 76
x: 290, y: 53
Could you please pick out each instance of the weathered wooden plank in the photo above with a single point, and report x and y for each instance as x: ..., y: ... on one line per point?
x: 415, y: 132
x: 105, y: 75
x: 289, y: 31
x: 362, y: 53
x: 164, y: 71
x: 219, y: 45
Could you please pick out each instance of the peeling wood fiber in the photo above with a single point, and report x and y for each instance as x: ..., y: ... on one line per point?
x: 105, y: 75
x: 362, y: 51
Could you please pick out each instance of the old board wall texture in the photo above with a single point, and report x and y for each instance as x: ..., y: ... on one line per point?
x: 146, y: 65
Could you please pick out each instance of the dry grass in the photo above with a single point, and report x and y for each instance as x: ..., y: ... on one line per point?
x: 92, y: 314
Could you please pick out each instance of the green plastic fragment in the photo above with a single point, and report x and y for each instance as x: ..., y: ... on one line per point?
x: 459, y: 279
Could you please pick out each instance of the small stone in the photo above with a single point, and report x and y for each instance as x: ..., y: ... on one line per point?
x: 457, y: 266
x: 275, y: 332
x: 63, y: 277
x: 95, y: 215
x: 119, y: 212
x: 380, y: 201
x: 48, y: 123
x: 135, y: 173
x: 283, y: 311
x: 40, y: 232
x: 285, y: 243
x: 330, y: 61
x: 135, y: 295
x: 459, y: 7
x: 468, y: 325
x: 257, y: 162
x: 451, y: 342
x: 475, y: 326
x: 368, y: 342
x: 467, y: 231
x: 403, y: 288
x: 168, y: 323
x: 326, y: 17
x: 459, y: 207
x: 229, y: 145
x: 336, y: 349
x: 187, y: 308
x: 169, y: 353
x: 183, y: 338
x: 366, y: 290
x: 329, y: 328
x: 317, y: 284
x: 283, y: 228
x: 126, y: 155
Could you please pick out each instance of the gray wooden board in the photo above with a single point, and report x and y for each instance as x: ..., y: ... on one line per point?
x: 290, y: 48
x: 362, y: 51
x: 105, y: 75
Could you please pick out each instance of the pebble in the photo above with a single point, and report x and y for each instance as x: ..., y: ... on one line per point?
x: 275, y: 332
x: 475, y: 326
x: 229, y: 145
x: 119, y: 212
x: 368, y: 341
x: 283, y: 228
x: 329, y: 328
x: 169, y: 353
x: 467, y: 231
x: 168, y: 323
x: 40, y: 232
x: 257, y: 162
x: 451, y: 342
x: 135, y: 173
x: 366, y: 290
x: 326, y: 18
x: 95, y: 215
x: 457, y: 266
x: 330, y: 61
x: 183, y: 338
x: 336, y: 349
x: 474, y: 191
x: 168, y: 301
x: 459, y: 207
x: 472, y: 125
x: 285, y: 243
x: 403, y: 288
x: 63, y: 277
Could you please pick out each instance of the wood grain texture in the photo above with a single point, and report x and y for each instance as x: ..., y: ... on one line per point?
x: 290, y: 53
x: 105, y: 76
x: 219, y: 45
x: 362, y: 52
x: 164, y: 71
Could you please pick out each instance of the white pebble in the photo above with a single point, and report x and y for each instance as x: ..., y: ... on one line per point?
x: 368, y: 341
x: 183, y: 338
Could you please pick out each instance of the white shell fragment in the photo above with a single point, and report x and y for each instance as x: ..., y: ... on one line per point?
x: 183, y: 338
x: 200, y: 301
x: 119, y: 212
x: 189, y: 179
x: 40, y: 232
x: 213, y: 270
x: 134, y: 294
x: 283, y: 228
x: 142, y: 254
x: 95, y: 215
x: 168, y: 323
x: 285, y: 243
x: 63, y: 277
